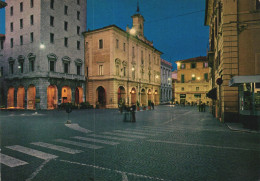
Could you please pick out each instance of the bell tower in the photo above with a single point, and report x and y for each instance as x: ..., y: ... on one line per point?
x: 138, y: 22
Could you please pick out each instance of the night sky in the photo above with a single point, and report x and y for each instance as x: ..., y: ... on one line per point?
x: 176, y: 27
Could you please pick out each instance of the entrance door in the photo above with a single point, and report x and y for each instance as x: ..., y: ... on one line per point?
x: 101, y: 96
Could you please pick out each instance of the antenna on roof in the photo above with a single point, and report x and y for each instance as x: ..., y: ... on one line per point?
x: 138, y: 9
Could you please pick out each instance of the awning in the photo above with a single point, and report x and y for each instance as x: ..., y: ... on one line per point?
x: 236, y: 80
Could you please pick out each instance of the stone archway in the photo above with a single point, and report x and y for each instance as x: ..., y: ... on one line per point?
x: 149, y: 95
x: 10, y: 98
x: 66, y: 94
x: 121, y: 94
x: 156, y: 97
x: 101, y: 96
x: 133, y: 96
x: 143, y: 97
x: 20, y: 97
x: 52, y: 97
x: 78, y: 95
x: 31, y: 93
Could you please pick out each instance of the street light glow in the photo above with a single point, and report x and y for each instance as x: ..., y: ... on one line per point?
x: 133, y: 69
x: 132, y: 31
x: 198, y: 78
x: 42, y: 46
x: 193, y: 75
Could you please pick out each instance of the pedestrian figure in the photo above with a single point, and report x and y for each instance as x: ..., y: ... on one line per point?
x: 133, y: 108
x: 152, y: 105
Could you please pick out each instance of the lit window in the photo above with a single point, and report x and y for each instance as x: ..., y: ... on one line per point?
x: 100, y: 70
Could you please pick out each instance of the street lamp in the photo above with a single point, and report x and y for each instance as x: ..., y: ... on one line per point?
x: 42, y: 46
x: 132, y: 31
x: 198, y: 78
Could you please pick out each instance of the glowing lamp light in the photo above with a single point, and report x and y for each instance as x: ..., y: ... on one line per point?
x: 198, y: 78
x: 19, y: 67
x: 133, y: 69
x: 193, y: 75
x: 132, y: 31
x: 156, y: 76
x: 178, y: 64
x: 133, y: 91
x: 42, y: 46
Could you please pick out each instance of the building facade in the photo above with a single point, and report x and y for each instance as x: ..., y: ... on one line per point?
x: 43, y: 55
x: 174, y: 81
x: 166, y: 81
x: 234, y: 55
x: 192, y: 81
x: 121, y: 66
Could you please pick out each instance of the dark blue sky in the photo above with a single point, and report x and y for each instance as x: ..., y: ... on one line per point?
x: 175, y: 26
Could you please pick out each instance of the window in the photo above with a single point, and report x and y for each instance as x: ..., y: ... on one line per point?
x: 78, y: 70
x: 2, y: 72
x: 51, y: 20
x: 66, y: 42
x: 12, y: 42
x: 205, y: 64
x: 193, y: 77
x: 2, y: 45
x: 78, y: 45
x: 78, y: 15
x: 11, y: 11
x: 183, y: 66
x: 124, y: 71
x: 117, y: 69
x: 206, y: 76
x: 51, y: 37
x: 100, y: 70
x: 193, y: 65
x: 11, y: 67
x: 31, y: 18
x: 21, y: 23
x: 257, y: 4
x: 149, y: 74
x: 65, y: 25
x: 182, y: 78
x: 21, y: 40
x: 197, y: 95
x: 100, y: 44
x: 31, y: 66
x: 133, y: 51
x: 52, y: 4
x: 197, y: 88
x: 124, y: 47
x: 12, y: 27
x: 21, y: 7
x: 20, y: 67
x: 87, y: 71
x: 31, y: 36
x: 78, y: 2
x: 78, y: 30
x: 52, y: 66
x: 32, y: 3
x: 66, y: 10
x: 142, y: 57
x: 117, y: 43
x: 133, y: 73
x: 149, y: 59
x: 182, y: 88
x: 66, y: 67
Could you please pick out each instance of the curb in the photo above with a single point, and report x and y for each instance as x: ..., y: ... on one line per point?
x: 241, y: 130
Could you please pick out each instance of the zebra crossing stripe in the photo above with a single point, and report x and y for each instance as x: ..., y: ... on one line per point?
x: 56, y: 147
x: 32, y: 152
x: 145, y: 130
x: 10, y: 161
x: 111, y: 137
x: 133, y: 132
x: 96, y: 140
x: 159, y: 129
x: 84, y: 145
x: 125, y: 135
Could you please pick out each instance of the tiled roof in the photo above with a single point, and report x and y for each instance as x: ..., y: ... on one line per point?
x: 196, y: 59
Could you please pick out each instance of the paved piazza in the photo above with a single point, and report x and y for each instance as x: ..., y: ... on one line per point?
x: 168, y: 143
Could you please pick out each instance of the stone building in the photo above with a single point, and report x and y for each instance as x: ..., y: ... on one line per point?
x: 121, y: 66
x: 174, y: 81
x: 43, y: 55
x: 234, y: 54
x: 166, y: 81
x: 192, y: 81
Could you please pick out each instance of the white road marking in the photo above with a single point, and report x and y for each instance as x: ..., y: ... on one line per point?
x: 111, y: 137
x: 133, y: 132
x: 78, y: 128
x: 10, y: 161
x: 145, y: 130
x: 117, y: 171
x: 84, y: 145
x: 125, y: 135
x: 124, y: 177
x: 37, y: 170
x: 56, y: 147
x: 200, y: 145
x: 32, y: 152
x: 96, y: 140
